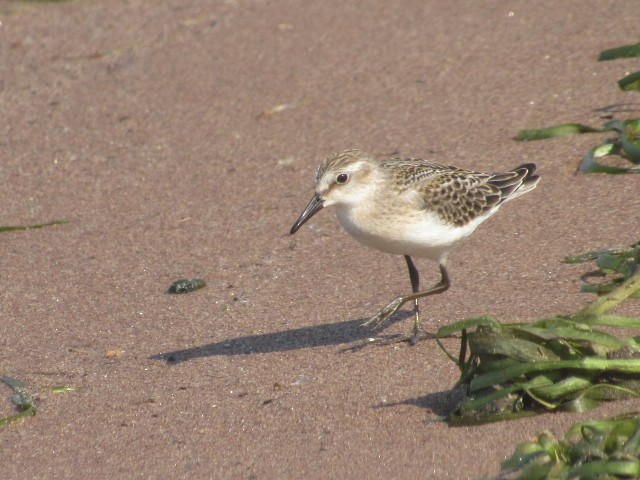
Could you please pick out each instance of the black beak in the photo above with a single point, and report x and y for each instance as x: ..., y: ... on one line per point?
x: 315, y: 205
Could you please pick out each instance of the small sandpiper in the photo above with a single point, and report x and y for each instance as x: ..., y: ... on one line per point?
x: 411, y: 207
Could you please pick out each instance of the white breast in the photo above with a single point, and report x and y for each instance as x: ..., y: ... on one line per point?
x: 415, y: 233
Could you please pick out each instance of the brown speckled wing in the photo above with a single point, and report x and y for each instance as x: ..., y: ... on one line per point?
x: 458, y: 196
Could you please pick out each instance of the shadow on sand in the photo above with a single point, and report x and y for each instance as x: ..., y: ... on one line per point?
x: 305, y: 337
x: 442, y: 404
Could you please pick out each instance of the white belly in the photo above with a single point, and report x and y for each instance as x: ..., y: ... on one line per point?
x: 418, y: 234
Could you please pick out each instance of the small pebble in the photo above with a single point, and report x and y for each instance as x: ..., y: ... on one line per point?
x: 186, y: 285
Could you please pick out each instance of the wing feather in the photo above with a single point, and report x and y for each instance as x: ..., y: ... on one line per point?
x: 459, y: 196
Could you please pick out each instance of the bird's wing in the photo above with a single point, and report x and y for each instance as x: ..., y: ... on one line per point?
x: 459, y: 196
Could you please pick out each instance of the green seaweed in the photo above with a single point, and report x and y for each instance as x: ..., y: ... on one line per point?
x: 626, y: 51
x: 596, y: 449
x: 626, y: 142
x: 555, y: 131
x: 32, y: 227
x: 22, y: 400
x: 614, y: 266
x: 558, y: 363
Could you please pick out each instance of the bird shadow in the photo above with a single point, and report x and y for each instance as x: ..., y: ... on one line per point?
x: 294, y: 339
x: 442, y: 404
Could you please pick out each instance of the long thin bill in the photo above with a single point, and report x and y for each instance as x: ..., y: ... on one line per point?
x: 315, y: 205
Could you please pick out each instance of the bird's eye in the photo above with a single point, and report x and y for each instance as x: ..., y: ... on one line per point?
x: 342, y: 178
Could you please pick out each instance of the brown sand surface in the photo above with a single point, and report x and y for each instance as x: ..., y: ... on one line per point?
x: 179, y: 139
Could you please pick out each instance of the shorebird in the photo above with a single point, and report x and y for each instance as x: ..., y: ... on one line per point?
x: 411, y: 207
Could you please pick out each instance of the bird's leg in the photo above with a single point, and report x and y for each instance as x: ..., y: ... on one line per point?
x: 385, y: 314
x: 414, y: 276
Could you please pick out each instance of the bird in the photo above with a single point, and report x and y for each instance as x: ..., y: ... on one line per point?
x: 411, y: 207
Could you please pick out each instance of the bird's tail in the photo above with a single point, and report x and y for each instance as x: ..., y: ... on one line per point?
x: 515, y: 182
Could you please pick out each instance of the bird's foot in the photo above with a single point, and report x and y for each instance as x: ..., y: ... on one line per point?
x: 418, y: 336
x: 383, y: 316
x: 415, y: 337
